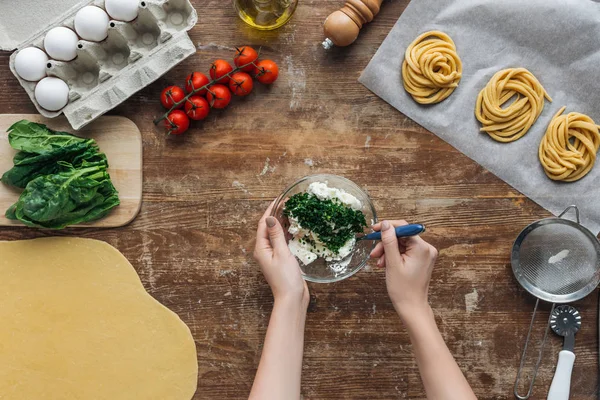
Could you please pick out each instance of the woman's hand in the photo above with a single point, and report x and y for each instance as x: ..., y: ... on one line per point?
x: 409, y: 263
x: 278, y: 265
x: 280, y: 368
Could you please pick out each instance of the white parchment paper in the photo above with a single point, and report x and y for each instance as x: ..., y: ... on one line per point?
x: 557, y: 40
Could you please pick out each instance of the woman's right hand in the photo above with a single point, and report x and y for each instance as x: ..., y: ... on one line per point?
x: 408, y: 263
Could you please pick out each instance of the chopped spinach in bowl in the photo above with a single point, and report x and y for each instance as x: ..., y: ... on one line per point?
x: 333, y: 222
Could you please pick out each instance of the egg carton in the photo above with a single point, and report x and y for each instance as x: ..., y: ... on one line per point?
x: 106, y: 73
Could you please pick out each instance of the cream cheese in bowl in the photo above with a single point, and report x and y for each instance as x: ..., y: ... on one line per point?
x: 322, y: 215
x: 309, y: 251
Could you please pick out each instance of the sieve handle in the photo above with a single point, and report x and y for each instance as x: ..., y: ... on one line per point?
x: 574, y: 207
x: 540, y: 354
x: 561, y: 384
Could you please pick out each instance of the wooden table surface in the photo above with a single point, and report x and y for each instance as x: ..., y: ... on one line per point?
x: 204, y: 192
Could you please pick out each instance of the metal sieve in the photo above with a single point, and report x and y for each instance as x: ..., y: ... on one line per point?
x: 558, y: 261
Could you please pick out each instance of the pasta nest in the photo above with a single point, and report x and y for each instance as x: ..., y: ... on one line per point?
x: 432, y: 68
x: 568, y: 149
x: 511, y: 122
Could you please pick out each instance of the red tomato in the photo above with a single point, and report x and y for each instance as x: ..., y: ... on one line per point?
x: 177, y: 122
x: 245, y: 55
x: 196, y: 107
x: 266, y: 71
x: 194, y: 81
x: 218, y: 96
x: 241, y: 84
x: 218, y: 69
x: 171, y: 95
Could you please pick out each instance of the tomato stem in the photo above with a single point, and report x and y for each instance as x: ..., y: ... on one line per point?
x: 196, y: 90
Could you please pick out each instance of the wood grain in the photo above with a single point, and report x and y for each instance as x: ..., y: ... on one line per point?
x: 117, y: 137
x: 204, y: 192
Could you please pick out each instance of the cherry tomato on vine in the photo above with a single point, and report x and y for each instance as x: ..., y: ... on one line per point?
x: 220, y: 68
x: 245, y: 55
x: 266, y: 71
x: 196, y: 107
x: 171, y: 95
x: 177, y: 122
x: 194, y: 81
x: 218, y: 96
x: 241, y: 84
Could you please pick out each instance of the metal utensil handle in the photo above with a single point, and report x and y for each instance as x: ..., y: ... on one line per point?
x: 573, y: 206
x: 401, y: 231
x: 539, y: 360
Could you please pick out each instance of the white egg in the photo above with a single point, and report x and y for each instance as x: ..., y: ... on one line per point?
x: 52, y: 93
x: 30, y: 64
x: 91, y: 23
x: 61, y: 43
x: 122, y: 10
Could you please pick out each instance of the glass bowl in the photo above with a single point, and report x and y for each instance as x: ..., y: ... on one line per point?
x: 319, y: 270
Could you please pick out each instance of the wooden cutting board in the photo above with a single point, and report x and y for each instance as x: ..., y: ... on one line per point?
x: 118, y: 137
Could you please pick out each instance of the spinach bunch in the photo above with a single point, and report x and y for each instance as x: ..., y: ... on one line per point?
x: 41, y: 149
x: 64, y: 177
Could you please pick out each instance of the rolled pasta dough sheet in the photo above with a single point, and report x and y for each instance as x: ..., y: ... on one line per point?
x: 78, y: 324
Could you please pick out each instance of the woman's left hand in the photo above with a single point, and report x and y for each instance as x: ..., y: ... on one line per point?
x: 278, y: 264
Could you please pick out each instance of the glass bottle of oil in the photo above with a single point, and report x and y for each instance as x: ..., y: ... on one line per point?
x: 265, y: 14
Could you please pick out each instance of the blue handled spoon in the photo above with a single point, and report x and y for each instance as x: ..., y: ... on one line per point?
x: 401, y: 231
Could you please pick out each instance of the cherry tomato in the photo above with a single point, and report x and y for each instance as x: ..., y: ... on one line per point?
x: 218, y: 69
x: 177, y: 122
x: 171, y: 95
x: 241, y: 84
x: 196, y: 107
x: 218, y: 96
x: 245, y: 55
x: 196, y: 80
x: 266, y: 71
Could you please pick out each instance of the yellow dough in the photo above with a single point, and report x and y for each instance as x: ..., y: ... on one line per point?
x: 511, y: 122
x: 568, y: 149
x: 76, y: 323
x: 431, y: 69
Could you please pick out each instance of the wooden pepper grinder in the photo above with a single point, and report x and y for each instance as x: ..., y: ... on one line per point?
x: 342, y: 26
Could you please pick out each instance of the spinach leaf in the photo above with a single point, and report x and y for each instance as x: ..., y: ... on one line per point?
x: 69, y: 197
x: 64, y: 177
x: 37, y: 138
x: 38, y: 160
